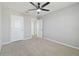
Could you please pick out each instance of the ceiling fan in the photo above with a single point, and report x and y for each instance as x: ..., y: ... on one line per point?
x: 38, y: 7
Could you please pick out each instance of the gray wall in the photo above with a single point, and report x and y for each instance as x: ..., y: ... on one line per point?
x: 5, y: 25
x: 0, y: 25
x: 63, y: 25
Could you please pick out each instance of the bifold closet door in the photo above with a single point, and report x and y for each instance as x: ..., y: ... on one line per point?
x: 17, y: 27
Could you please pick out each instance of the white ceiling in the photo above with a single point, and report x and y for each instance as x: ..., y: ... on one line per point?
x: 24, y: 6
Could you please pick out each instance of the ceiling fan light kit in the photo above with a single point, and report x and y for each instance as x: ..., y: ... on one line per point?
x: 38, y: 10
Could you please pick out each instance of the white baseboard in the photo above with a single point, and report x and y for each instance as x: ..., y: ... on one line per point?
x: 0, y: 46
x: 61, y: 43
x: 4, y: 43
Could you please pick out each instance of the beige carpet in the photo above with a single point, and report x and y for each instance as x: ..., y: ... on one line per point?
x: 37, y: 47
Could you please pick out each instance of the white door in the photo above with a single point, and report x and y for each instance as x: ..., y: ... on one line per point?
x: 39, y: 28
x: 36, y: 27
x: 17, y: 27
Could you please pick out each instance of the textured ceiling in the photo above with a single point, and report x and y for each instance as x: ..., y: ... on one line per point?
x: 24, y: 6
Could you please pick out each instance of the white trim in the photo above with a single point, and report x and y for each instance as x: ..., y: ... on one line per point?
x: 65, y: 44
x: 4, y: 43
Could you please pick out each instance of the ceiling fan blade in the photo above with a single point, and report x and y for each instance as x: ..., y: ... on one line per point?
x: 32, y: 9
x: 33, y: 4
x: 45, y: 10
x: 45, y: 4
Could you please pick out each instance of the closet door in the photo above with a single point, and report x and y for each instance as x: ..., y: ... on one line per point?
x: 17, y: 27
x: 34, y: 27
x: 39, y: 28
